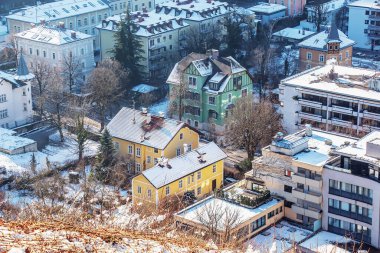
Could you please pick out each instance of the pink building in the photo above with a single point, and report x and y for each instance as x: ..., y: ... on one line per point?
x: 294, y: 7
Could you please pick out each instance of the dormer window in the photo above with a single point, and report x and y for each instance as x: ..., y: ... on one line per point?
x: 213, y: 86
x: 192, y: 81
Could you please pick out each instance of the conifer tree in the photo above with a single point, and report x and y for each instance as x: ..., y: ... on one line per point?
x: 33, y: 164
x: 128, y: 48
x: 105, y: 157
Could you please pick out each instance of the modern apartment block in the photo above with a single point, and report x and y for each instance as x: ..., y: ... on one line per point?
x: 291, y: 167
x: 351, y: 190
x: 364, y: 24
x: 333, y: 98
x: 160, y: 36
x: 78, y: 15
x: 57, y: 46
x: 321, y: 47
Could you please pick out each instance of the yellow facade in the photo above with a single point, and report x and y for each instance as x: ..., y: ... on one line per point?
x: 202, y: 182
x: 146, y: 157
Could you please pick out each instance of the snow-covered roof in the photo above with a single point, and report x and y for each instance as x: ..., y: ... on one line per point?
x: 193, y: 10
x: 293, y: 33
x: 58, y: 10
x: 373, y: 4
x: 193, y: 212
x: 329, y: 5
x: 12, y: 80
x: 144, y: 88
x: 148, y: 23
x: 52, y: 35
x: 186, y: 164
x: 9, y: 142
x: 290, y: 141
x: 134, y: 126
x: 355, y: 85
x: 326, y: 242
x: 319, y: 41
x: 267, y: 8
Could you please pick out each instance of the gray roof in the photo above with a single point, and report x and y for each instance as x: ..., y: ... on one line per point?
x: 16, y: 83
x: 22, y: 68
x: 319, y: 40
x: 157, y: 134
x: 184, y: 165
x: 333, y: 33
x: 290, y: 141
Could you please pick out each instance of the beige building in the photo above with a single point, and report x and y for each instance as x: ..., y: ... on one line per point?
x: 78, y: 15
x: 291, y: 167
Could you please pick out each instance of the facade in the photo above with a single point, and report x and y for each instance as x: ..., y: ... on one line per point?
x: 144, y: 138
x: 16, y: 97
x: 291, y: 167
x: 199, y: 171
x: 332, y: 98
x: 7, y: 6
x: 78, y: 15
x: 364, y: 24
x: 267, y: 12
x: 293, y: 8
x: 351, y: 190
x: 55, y: 45
x: 326, y: 45
x: 118, y: 7
x: 213, y: 85
x: 159, y: 35
x: 250, y: 218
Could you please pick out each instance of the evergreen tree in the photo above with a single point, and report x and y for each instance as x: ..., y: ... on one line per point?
x: 33, y: 164
x: 234, y: 37
x: 106, y: 156
x: 128, y: 48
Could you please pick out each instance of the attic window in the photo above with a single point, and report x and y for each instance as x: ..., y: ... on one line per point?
x: 213, y: 86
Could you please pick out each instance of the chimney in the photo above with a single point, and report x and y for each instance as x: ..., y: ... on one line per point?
x: 161, y: 114
x: 42, y: 22
x: 308, y: 130
x: 144, y: 111
x: 61, y: 25
x: 73, y: 35
x: 32, y: 25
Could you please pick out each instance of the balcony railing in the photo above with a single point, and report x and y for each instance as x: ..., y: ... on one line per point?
x: 341, y: 122
x: 371, y: 115
x: 350, y: 215
x: 310, y: 116
x: 374, y: 35
x: 310, y: 103
x: 350, y: 195
x: 337, y: 108
x: 357, y: 236
x: 374, y: 27
x: 376, y: 17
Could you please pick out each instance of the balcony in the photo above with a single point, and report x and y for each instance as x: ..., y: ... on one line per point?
x: 300, y: 178
x: 351, y: 215
x: 156, y: 47
x: 374, y: 17
x: 340, y: 122
x: 350, y: 195
x: 374, y: 35
x: 374, y: 27
x: 309, y: 211
x: 357, y: 236
x: 315, y: 117
x: 341, y: 109
x: 307, y: 195
x: 370, y: 128
x: 310, y: 103
x: 371, y: 115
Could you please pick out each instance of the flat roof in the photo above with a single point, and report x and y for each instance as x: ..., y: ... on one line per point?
x: 351, y: 81
x: 10, y: 142
x: 267, y: 8
x: 293, y: 33
x: 373, y: 4
x: 326, y: 242
x: 198, y: 210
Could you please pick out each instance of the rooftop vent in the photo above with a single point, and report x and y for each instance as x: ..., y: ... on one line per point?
x: 328, y: 142
x: 373, y: 148
x: 279, y: 136
x: 308, y: 130
x: 61, y: 25
x: 144, y: 111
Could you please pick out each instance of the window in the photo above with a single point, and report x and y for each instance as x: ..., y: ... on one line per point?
x: 129, y: 167
x: 156, y: 150
x: 270, y: 214
x: 148, y: 159
x: 85, y: 21
x: 366, y: 22
x: 158, y: 40
x: 229, y: 98
x: 44, y: 54
x: 199, y: 190
x: 214, y: 168
x: 71, y: 25
x: 170, y: 47
x: 93, y: 20
x: 138, y: 167
x: 79, y: 23
x: 309, y: 56
x: 211, y: 100
x: 340, y: 57
x: 180, y: 184
x: 188, y: 180
x: 3, y: 98
x: 138, y: 152
x: 167, y: 190
x: 151, y: 43
x: 287, y: 188
x: 321, y: 58
x: 347, y: 54
x: 366, y: 12
x: 99, y: 18
x: 199, y: 175
x: 149, y: 193
x: 82, y: 51
x: 155, y: 161
x: 53, y: 56
x: 196, y: 123
x: 365, y: 30
x: 38, y: 52
x: 130, y: 150
x: 139, y: 189
x: 116, y: 145
x: 30, y: 51
x: 181, y: 136
x: 258, y: 224
x: 188, y: 147
x: 192, y: 81
x: 178, y: 151
x: 170, y: 37
x: 237, y: 82
x: 23, y: 92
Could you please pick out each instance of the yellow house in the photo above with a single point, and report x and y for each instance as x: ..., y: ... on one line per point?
x: 199, y: 171
x: 145, y: 138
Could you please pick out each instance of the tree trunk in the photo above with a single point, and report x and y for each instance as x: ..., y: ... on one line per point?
x: 59, y: 124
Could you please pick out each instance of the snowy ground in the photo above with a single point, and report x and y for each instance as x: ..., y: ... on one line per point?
x: 326, y: 242
x: 365, y: 63
x: 278, y: 238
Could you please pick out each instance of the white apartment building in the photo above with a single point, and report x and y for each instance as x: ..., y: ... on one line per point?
x: 16, y: 97
x: 118, y: 7
x: 159, y: 35
x: 54, y: 45
x: 78, y: 15
x: 268, y: 12
x: 351, y: 190
x: 291, y: 167
x: 333, y: 98
x: 364, y: 24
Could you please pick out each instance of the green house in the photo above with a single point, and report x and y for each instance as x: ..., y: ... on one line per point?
x: 212, y: 84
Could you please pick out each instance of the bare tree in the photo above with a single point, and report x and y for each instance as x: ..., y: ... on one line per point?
x: 12, y: 44
x: 252, y: 125
x: 104, y: 88
x: 177, y: 96
x: 55, y: 99
x: 318, y: 14
x: 72, y: 71
x: 42, y: 72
